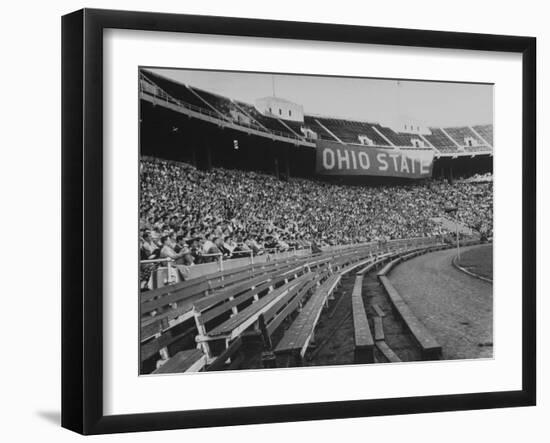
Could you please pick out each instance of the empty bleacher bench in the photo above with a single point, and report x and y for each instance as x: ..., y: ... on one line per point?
x: 430, y: 348
x: 191, y: 360
x: 299, y: 335
x: 364, y: 343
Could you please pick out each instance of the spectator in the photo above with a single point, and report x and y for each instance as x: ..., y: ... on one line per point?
x: 167, y: 251
x: 258, y: 210
x: 149, y: 249
x: 209, y: 243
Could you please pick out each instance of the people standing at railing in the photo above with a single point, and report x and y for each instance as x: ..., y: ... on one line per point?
x: 183, y: 247
x: 241, y: 249
x: 171, y: 240
x: 148, y: 249
x: 211, y: 249
x: 253, y: 245
x: 208, y: 244
x: 167, y: 251
x: 229, y: 244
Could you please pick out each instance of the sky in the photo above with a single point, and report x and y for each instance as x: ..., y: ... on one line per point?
x: 373, y: 100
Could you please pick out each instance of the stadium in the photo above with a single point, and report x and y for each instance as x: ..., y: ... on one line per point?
x: 273, y: 238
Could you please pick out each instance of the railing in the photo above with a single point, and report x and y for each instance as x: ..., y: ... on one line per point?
x: 169, y: 270
x: 147, y: 87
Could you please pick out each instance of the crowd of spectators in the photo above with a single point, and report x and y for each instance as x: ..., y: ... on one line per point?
x: 195, y: 216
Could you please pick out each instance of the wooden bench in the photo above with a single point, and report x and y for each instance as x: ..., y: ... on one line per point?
x: 169, y: 295
x: 271, y: 305
x: 296, y: 339
x: 373, y: 264
x: 410, y: 254
x: 168, y: 328
x: 156, y: 325
x: 239, y: 322
x: 227, y: 358
x: 287, y: 272
x: 160, y: 344
x: 378, y: 328
x: 191, y: 360
x: 272, y: 318
x: 231, y: 301
x: 214, y: 306
x: 387, y: 352
x: 286, y: 306
x: 208, y: 299
x: 163, y: 330
x: 378, y: 310
x: 389, y: 266
x: 364, y: 343
x: 226, y: 295
x: 198, y: 284
x: 398, y: 257
x: 430, y: 348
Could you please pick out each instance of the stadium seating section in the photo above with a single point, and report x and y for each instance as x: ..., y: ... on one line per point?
x: 220, y: 104
x: 440, y: 141
x: 177, y: 90
x: 446, y: 140
x: 241, y: 204
x: 311, y: 123
x: 460, y: 134
x: 486, y: 131
x: 294, y: 126
x: 397, y: 138
x: 349, y: 130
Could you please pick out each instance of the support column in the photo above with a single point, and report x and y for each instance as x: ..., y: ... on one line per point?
x: 208, y: 154
x: 287, y: 163
x: 276, y: 167
x: 194, y: 155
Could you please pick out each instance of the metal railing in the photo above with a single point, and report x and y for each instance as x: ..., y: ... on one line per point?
x: 237, y: 259
x: 147, y: 87
x: 221, y: 263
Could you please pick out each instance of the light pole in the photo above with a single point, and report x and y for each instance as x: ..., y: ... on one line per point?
x: 449, y: 209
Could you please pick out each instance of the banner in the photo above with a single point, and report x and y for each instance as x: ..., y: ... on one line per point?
x: 335, y: 158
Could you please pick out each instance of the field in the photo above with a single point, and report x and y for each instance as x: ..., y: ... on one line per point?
x: 455, y: 307
x: 479, y: 261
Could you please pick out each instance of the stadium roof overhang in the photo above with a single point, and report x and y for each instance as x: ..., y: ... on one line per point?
x: 217, y: 120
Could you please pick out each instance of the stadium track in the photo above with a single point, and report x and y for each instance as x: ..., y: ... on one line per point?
x: 455, y: 307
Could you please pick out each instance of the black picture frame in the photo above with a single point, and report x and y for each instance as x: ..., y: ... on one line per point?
x: 82, y: 218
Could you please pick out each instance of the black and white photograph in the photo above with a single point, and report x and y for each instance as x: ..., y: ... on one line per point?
x: 291, y: 220
x: 269, y: 222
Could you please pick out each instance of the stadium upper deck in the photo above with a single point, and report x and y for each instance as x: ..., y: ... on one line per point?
x: 446, y: 142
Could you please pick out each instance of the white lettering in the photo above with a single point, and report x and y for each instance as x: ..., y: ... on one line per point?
x: 328, y: 159
x: 424, y: 168
x: 342, y: 159
x: 404, y: 164
x: 354, y: 159
x: 364, y: 161
x: 394, y: 158
x: 382, y: 160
